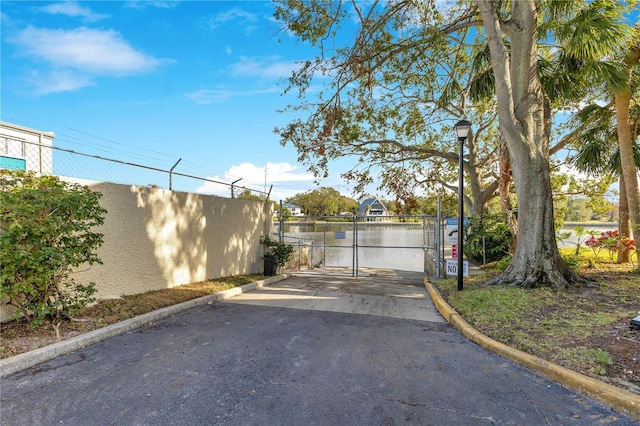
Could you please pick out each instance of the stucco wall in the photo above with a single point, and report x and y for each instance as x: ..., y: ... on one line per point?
x: 156, y: 238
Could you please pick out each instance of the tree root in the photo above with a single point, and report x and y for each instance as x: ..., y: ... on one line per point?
x: 536, y: 278
x: 56, y: 328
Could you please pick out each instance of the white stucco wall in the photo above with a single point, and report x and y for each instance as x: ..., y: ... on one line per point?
x: 156, y: 238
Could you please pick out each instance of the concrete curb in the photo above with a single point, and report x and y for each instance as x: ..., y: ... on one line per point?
x: 619, y: 399
x: 38, y: 356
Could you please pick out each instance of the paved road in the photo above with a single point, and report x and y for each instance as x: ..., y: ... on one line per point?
x: 255, y: 361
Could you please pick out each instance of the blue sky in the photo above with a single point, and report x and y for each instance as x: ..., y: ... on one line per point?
x: 150, y: 82
x: 153, y: 81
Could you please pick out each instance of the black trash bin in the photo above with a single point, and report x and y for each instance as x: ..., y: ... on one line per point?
x: 270, y: 264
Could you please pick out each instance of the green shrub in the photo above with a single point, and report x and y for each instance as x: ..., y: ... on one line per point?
x: 496, y: 233
x: 502, y: 264
x: 46, y: 229
x: 571, y: 261
x: 276, y: 248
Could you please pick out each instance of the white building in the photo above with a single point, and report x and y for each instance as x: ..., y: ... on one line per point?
x: 372, y: 207
x: 25, y: 149
x: 294, y: 209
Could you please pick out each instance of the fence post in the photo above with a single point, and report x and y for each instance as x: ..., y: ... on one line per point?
x: 281, y: 230
x: 39, y: 154
x: 324, y: 248
x: 171, y: 174
x: 354, y: 250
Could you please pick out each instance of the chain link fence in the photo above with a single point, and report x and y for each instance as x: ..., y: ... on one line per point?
x: 42, y: 158
x: 308, y: 253
x: 394, y: 242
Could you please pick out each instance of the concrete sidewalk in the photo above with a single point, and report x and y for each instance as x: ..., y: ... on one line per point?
x: 379, y: 292
x: 288, y: 357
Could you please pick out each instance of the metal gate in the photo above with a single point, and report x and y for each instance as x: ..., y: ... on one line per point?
x: 352, y: 245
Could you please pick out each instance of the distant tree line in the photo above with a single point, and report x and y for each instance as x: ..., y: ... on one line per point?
x: 326, y: 201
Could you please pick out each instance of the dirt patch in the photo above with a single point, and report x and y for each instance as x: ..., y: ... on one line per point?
x: 623, y: 344
x: 616, y: 292
x: 18, y: 338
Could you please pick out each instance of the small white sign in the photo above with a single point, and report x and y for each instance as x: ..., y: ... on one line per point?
x: 451, y: 229
x: 452, y: 268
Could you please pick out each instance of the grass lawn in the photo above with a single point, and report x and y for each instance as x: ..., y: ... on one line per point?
x: 584, y: 328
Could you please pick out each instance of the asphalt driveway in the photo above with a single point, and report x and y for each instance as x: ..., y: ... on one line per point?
x: 290, y: 357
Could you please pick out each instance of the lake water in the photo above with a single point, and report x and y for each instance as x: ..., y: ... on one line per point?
x: 572, y: 240
x: 397, y: 246
x: 394, y: 246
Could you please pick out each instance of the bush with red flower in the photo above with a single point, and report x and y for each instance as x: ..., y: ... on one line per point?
x: 610, y: 241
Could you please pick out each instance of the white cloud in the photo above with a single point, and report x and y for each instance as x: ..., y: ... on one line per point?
x: 76, y: 57
x: 566, y: 169
x: 203, y: 97
x: 276, y: 172
x: 287, y: 180
x: 213, y: 188
x: 93, y: 51
x: 271, y: 67
x: 73, y: 9
x: 234, y: 16
x: 142, y: 4
x: 58, y: 81
x: 571, y: 109
x: 216, y: 96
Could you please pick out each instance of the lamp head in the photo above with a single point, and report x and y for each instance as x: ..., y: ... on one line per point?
x: 462, y: 129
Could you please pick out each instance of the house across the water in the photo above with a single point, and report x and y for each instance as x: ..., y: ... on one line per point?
x: 372, y: 209
x: 294, y: 209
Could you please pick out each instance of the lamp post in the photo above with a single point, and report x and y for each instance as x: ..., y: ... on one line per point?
x: 463, y: 127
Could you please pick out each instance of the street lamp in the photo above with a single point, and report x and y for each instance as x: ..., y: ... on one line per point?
x: 463, y: 127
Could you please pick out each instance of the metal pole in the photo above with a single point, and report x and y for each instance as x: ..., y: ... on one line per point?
x: 354, y: 250
x: 268, y: 194
x: 324, y: 248
x: 281, y: 223
x: 442, y: 232
x: 460, y: 215
x: 236, y: 181
x: 39, y: 154
x: 171, y: 173
x: 437, y: 238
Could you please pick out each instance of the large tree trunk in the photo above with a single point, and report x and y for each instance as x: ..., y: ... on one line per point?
x: 525, y: 122
x: 624, y: 224
x: 504, y: 181
x: 627, y: 161
x: 480, y: 196
x: 625, y: 142
x: 536, y: 261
